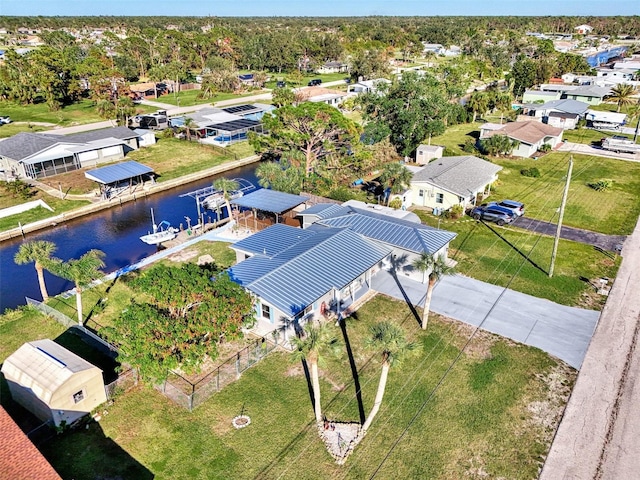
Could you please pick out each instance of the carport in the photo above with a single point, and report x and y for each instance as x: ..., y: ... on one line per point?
x: 266, y: 207
x: 114, y: 179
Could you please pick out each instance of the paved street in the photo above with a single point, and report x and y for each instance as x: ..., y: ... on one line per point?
x: 599, y: 432
x: 564, y: 332
x: 597, y: 152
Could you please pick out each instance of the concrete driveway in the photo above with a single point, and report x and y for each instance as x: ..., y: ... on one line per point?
x: 564, y: 332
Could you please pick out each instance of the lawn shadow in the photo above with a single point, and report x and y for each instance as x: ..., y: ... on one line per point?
x: 354, y: 367
x: 516, y: 249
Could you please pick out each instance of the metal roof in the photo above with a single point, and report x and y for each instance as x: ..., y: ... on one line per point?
x: 120, y: 133
x: 404, y: 234
x: 462, y: 175
x: 272, y: 241
x: 323, y: 210
x: 301, y: 274
x: 117, y: 172
x: 270, y: 200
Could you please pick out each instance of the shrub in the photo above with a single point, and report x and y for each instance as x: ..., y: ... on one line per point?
x: 396, y: 203
x: 545, y: 147
x: 342, y: 194
x: 530, y: 172
x: 600, y: 185
x: 469, y: 146
x: 455, y: 212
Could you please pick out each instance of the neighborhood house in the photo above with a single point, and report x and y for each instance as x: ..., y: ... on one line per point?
x: 530, y: 135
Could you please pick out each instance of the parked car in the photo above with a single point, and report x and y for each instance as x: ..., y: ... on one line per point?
x: 517, y: 208
x: 281, y: 84
x: 492, y: 214
x: 4, y: 120
x: 315, y: 82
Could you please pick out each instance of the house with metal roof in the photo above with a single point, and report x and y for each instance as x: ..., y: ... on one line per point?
x: 53, y: 383
x: 450, y: 181
x: 298, y: 275
x: 39, y: 155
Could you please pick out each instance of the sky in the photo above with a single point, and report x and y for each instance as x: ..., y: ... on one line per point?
x: 334, y: 8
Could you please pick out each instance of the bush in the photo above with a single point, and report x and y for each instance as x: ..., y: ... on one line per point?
x: 342, y: 194
x: 530, y: 172
x: 470, y: 146
x: 396, y: 203
x: 455, y: 212
x: 545, y: 147
x: 600, y: 185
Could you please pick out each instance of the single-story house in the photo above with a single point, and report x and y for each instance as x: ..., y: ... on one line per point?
x: 531, y: 135
x: 539, y: 96
x: 321, y: 95
x: 298, y: 275
x: 144, y: 90
x: 145, y: 137
x: 599, y: 119
x: 451, y: 181
x: 39, y: 155
x: 621, y: 74
x: 558, y: 113
x: 630, y: 64
x: 368, y: 86
x: 426, y: 153
x: 583, y: 29
x: 333, y: 67
x: 565, y: 121
x: 436, y: 48
x: 53, y: 383
x: 591, y: 94
x: 20, y: 459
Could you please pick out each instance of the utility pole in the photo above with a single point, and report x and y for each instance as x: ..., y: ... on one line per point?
x: 562, y: 205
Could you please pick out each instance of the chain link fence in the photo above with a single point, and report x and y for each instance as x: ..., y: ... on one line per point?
x: 191, y: 394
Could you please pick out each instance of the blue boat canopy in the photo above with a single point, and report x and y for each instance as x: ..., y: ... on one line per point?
x: 118, y: 172
x: 270, y: 201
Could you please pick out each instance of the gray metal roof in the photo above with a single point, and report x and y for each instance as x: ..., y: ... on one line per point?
x: 565, y: 105
x: 301, y: 274
x: 120, y: 133
x: 404, y: 234
x: 461, y: 175
x: 324, y: 210
x: 270, y: 200
x: 117, y: 172
x: 272, y: 241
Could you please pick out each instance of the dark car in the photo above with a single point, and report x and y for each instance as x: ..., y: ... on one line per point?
x: 517, y: 208
x: 492, y: 214
x: 315, y: 82
x: 281, y: 84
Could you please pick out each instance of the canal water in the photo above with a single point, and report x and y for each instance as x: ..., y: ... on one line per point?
x: 115, y: 231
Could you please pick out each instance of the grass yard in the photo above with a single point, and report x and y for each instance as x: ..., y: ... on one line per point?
x: 490, y: 417
x: 189, y: 98
x: 76, y: 114
x: 589, y: 136
x: 12, y: 129
x: 497, y: 255
x: 614, y: 211
x: 40, y: 213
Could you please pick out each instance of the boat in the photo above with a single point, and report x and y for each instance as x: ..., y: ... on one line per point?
x: 162, y: 232
x: 212, y: 202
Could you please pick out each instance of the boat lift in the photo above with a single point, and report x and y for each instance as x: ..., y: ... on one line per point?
x: 202, y: 193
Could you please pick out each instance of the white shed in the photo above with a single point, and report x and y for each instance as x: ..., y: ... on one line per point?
x: 52, y: 382
x: 426, y: 153
x: 147, y: 137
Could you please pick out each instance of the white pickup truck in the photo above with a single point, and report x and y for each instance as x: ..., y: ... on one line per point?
x: 619, y: 144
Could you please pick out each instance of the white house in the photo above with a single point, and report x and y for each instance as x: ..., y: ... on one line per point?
x: 333, y: 67
x: 450, y: 181
x: 531, y: 135
x: 322, y: 95
x: 368, y: 86
x: 583, y: 29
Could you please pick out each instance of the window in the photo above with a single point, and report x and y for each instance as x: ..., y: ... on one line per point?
x: 266, y: 311
x: 439, y: 197
x: 421, y: 193
x: 78, y: 396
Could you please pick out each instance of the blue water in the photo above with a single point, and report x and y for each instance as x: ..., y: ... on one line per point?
x: 116, y: 232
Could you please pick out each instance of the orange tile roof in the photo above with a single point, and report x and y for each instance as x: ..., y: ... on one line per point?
x: 19, y: 458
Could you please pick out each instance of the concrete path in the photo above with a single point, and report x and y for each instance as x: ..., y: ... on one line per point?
x: 597, y: 152
x: 562, y: 331
x: 613, y: 243
x: 598, y: 437
x: 83, y: 128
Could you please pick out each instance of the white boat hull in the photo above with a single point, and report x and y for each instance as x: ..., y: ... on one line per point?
x: 160, y: 237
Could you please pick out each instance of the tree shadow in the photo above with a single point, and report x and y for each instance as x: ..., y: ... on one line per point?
x: 396, y: 263
x: 307, y: 376
x: 354, y: 367
x: 516, y: 249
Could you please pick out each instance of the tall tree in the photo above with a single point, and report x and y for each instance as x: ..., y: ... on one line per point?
x: 388, y: 339
x: 435, y: 268
x: 395, y: 177
x: 309, y: 131
x: 81, y: 271
x: 309, y: 348
x: 622, y: 93
x: 281, y: 176
x: 39, y: 252
x: 478, y: 103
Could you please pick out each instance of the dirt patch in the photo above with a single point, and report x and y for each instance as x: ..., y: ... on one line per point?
x: 221, y: 424
x: 546, y: 413
x: 480, y: 346
x: 294, y: 370
x: 183, y: 256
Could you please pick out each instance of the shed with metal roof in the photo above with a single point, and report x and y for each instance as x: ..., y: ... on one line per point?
x: 112, y: 177
x: 52, y: 382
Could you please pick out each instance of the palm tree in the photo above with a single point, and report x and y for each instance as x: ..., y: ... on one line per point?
x: 390, y: 339
x: 396, y: 177
x: 309, y: 349
x: 435, y: 268
x: 81, y: 271
x: 622, y: 93
x: 39, y: 252
x: 189, y: 124
x: 227, y: 186
x: 478, y: 103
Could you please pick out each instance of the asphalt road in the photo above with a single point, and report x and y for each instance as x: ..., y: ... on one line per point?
x: 564, y: 332
x: 599, y: 432
x: 612, y: 243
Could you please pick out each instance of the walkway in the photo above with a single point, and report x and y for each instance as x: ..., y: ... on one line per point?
x: 598, y: 435
x: 564, y: 332
x: 612, y: 243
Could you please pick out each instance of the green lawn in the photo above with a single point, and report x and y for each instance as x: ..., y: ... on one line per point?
x: 12, y: 129
x: 479, y: 420
x: 78, y: 113
x: 39, y: 213
x: 589, y: 136
x: 189, y: 98
x: 497, y: 255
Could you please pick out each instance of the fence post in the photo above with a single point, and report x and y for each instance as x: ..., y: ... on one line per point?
x: 218, y: 380
x: 238, y: 365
